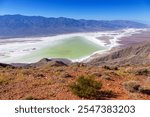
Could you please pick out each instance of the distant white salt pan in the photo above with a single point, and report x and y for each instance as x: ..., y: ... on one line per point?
x: 12, y: 49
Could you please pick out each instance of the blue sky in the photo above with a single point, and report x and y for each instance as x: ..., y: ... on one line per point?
x: 137, y: 10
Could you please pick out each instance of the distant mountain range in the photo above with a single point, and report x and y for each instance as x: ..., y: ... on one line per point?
x: 25, y: 26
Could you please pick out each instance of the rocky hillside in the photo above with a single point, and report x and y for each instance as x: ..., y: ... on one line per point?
x: 49, y: 79
x: 23, y: 26
x: 133, y: 55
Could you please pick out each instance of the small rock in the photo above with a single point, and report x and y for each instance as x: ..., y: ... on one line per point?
x: 66, y: 75
x: 106, y: 77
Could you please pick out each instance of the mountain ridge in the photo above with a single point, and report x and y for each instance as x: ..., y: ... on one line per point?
x: 27, y: 26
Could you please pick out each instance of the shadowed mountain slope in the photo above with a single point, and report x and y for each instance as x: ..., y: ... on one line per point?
x: 24, y: 26
x: 136, y: 54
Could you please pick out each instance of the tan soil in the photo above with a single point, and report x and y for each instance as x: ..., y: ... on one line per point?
x: 50, y: 82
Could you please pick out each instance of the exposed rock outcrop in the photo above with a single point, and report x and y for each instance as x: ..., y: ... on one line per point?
x: 55, y: 62
x: 136, y: 54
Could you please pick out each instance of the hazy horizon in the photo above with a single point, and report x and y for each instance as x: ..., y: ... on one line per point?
x: 78, y: 18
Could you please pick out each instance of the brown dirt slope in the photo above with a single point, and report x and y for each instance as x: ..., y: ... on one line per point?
x: 53, y: 82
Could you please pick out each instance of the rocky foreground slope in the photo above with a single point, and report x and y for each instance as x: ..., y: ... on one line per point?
x: 125, y: 75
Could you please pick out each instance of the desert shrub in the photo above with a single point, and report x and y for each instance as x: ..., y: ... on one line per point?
x: 132, y: 86
x: 110, y: 67
x: 142, y: 72
x: 25, y: 72
x: 106, y: 94
x: 4, y: 79
x: 86, y: 87
x: 144, y: 90
x: 19, y: 77
x: 106, y: 67
x: 98, y: 74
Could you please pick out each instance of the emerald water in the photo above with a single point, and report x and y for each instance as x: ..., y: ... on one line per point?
x: 71, y: 48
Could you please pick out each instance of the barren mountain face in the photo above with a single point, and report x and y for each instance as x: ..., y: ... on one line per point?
x: 136, y: 54
x: 29, y: 26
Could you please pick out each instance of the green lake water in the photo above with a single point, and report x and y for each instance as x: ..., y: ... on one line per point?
x: 71, y: 48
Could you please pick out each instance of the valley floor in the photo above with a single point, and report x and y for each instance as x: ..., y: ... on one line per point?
x: 32, y: 49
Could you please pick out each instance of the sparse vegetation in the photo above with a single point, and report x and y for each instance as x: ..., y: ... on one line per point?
x: 86, y: 87
x: 107, y: 94
x: 98, y: 74
x: 106, y: 67
x: 84, y: 83
x: 4, y: 79
x: 132, y: 86
x: 110, y: 67
x: 142, y: 72
x: 145, y: 90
